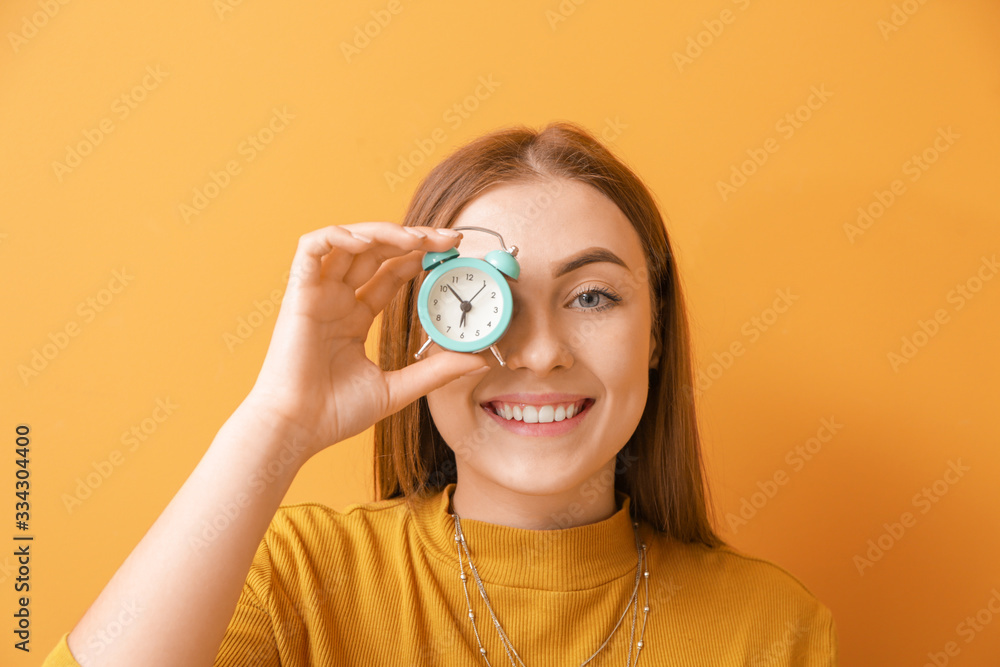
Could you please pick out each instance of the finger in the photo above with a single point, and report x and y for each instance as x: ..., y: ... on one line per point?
x: 397, y: 242
x: 386, y: 241
x: 338, y: 265
x: 338, y: 262
x: 330, y: 250
x: 333, y: 240
x: 418, y: 379
x: 388, y: 280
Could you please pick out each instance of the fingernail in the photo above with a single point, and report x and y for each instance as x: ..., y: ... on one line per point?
x: 447, y: 232
x: 415, y: 232
x: 360, y: 237
x: 478, y: 371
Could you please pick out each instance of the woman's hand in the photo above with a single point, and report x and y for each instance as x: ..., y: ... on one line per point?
x: 316, y: 378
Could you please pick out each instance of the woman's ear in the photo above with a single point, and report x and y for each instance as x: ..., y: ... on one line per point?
x: 654, y: 352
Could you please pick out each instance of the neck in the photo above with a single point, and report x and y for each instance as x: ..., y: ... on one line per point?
x: 481, y: 499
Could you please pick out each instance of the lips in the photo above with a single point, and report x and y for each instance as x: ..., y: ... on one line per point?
x: 536, y: 399
x: 553, y: 428
x: 529, y: 413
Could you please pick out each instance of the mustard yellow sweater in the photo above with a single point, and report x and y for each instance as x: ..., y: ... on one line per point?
x: 375, y: 584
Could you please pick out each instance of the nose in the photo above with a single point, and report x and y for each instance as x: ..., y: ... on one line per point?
x: 536, y: 340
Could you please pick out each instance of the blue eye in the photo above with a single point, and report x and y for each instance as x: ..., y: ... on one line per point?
x: 594, y: 293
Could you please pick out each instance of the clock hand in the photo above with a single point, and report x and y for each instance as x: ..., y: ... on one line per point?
x: 465, y: 304
x: 477, y: 293
x: 462, y: 323
x: 455, y: 293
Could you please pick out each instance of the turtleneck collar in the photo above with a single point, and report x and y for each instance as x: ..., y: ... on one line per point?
x: 563, y: 559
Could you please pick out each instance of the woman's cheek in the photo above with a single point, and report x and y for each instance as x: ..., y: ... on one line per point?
x: 598, y: 333
x: 452, y: 406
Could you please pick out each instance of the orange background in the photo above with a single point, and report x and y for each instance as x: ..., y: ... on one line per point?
x: 888, y: 86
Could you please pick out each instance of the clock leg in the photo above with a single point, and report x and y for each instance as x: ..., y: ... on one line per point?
x: 496, y: 353
x: 422, y: 348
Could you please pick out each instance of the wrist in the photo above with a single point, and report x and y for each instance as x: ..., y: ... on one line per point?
x: 278, y: 435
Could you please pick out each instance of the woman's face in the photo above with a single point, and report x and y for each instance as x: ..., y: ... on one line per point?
x: 565, y: 337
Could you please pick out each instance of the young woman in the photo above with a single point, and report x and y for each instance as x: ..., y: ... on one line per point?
x: 547, y: 510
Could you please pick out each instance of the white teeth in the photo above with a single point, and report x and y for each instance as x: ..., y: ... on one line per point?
x: 538, y: 414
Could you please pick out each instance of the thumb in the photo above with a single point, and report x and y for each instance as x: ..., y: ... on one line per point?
x: 408, y: 384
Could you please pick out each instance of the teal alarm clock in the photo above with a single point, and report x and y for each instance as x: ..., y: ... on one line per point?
x: 465, y: 303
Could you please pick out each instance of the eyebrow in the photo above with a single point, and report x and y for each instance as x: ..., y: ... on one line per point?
x: 588, y: 256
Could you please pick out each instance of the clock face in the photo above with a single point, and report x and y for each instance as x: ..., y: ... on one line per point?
x: 481, y: 314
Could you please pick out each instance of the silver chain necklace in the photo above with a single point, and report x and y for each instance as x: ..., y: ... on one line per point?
x: 509, y: 647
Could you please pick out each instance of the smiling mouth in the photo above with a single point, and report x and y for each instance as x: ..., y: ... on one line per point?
x: 538, y: 414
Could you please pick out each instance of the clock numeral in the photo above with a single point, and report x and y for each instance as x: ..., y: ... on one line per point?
x: 493, y: 295
x: 448, y: 329
x: 454, y: 279
x: 435, y: 302
x: 444, y: 288
x: 463, y: 335
x: 468, y: 276
x: 490, y: 323
x: 438, y: 318
x: 477, y: 332
x: 495, y: 309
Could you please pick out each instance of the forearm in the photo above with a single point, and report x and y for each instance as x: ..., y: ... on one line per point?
x: 185, y: 576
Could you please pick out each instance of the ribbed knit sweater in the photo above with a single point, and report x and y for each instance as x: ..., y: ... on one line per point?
x: 377, y: 584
